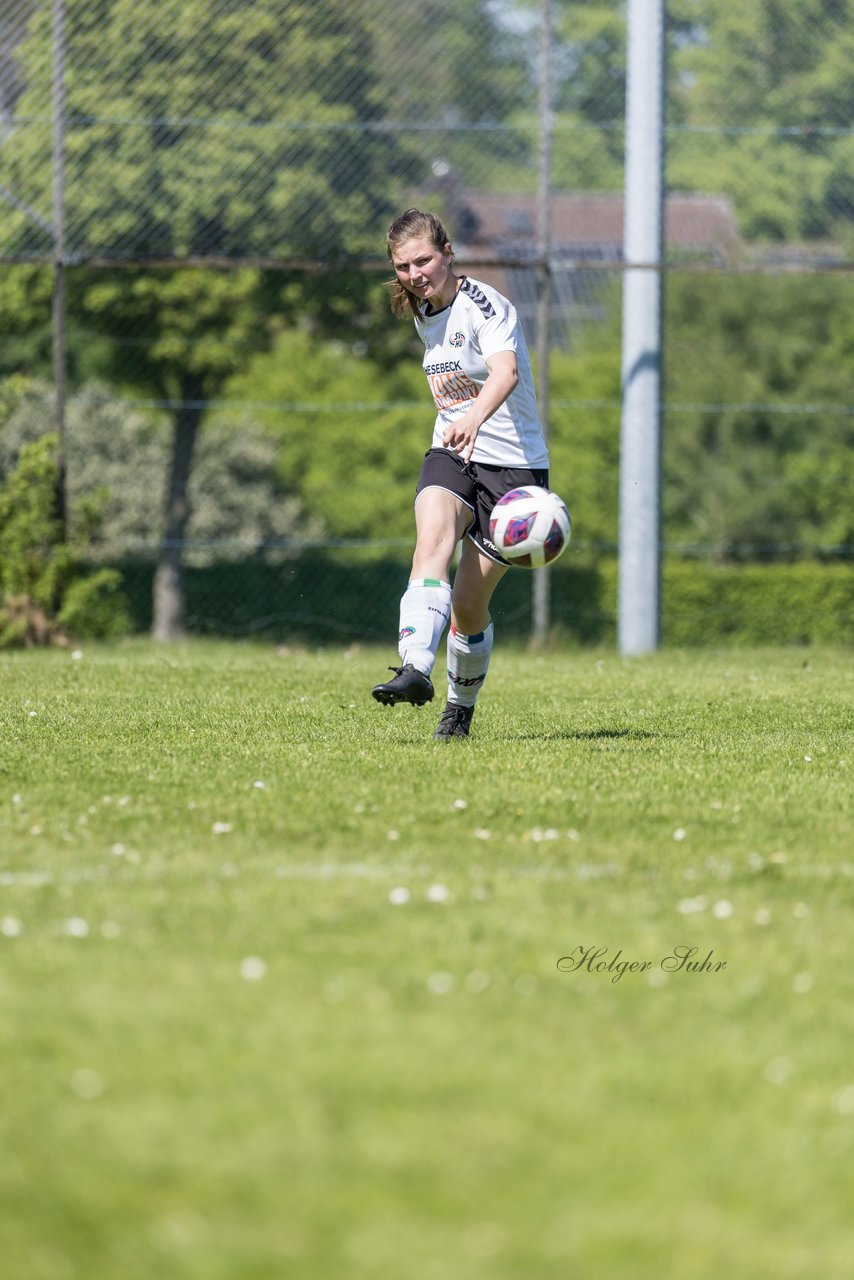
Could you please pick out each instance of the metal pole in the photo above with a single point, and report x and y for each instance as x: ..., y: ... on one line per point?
x: 59, y: 254
x: 541, y: 595
x: 639, y: 593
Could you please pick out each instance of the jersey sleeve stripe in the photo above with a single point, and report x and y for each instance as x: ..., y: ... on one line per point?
x: 478, y: 298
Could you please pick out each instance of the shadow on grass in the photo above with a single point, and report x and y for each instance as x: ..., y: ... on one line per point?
x: 594, y: 735
x: 587, y: 735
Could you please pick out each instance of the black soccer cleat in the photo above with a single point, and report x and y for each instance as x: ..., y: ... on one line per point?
x: 409, y: 685
x: 455, y: 722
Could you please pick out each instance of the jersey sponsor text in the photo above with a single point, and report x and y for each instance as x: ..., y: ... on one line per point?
x: 450, y: 389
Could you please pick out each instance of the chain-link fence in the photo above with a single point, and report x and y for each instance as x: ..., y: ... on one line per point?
x: 193, y: 198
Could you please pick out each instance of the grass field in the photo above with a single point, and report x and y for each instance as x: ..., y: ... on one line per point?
x: 288, y: 989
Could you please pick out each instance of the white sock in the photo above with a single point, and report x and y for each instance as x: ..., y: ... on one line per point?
x: 425, y: 608
x: 468, y: 661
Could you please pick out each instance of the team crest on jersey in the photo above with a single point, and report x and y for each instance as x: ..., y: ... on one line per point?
x: 457, y: 339
x: 405, y: 633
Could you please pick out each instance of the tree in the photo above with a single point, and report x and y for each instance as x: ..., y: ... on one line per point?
x: 351, y: 433
x: 765, y: 91
x: 745, y: 470
x: 238, y: 505
x: 46, y: 596
x: 193, y: 130
x: 757, y: 106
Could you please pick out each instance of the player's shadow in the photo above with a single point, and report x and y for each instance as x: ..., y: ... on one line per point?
x: 588, y: 735
x: 597, y: 735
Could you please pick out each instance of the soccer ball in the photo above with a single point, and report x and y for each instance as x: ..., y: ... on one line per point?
x: 530, y: 526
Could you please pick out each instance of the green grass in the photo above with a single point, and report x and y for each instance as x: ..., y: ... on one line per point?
x: 414, y: 1089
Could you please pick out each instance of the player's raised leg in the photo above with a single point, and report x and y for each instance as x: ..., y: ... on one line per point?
x: 441, y: 518
x: 470, y: 639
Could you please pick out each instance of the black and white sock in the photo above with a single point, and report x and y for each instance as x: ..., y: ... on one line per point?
x: 468, y: 662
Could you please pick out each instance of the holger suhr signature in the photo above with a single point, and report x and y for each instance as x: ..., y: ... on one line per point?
x: 682, y: 959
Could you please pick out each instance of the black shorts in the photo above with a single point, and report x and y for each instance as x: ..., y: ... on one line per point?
x: 477, y: 485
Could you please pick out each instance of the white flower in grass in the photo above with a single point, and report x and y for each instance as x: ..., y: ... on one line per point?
x: 76, y: 655
x: 87, y: 1084
x: 399, y: 895
x: 438, y: 893
x: 778, y: 1070
x: 32, y: 713
x: 538, y: 834
x: 118, y: 849
x: 253, y: 969
x: 221, y: 828
x: 392, y: 835
x: 460, y: 804
x: 259, y: 785
x: 482, y: 833
x: 679, y: 834
x: 843, y: 1101
x: 439, y: 984
x: 691, y: 906
x: 762, y: 915
x: 723, y: 909
x: 477, y: 981
x: 17, y: 799
x: 11, y: 927
x: 75, y: 927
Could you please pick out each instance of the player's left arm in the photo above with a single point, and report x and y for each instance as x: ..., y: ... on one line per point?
x: 502, y: 379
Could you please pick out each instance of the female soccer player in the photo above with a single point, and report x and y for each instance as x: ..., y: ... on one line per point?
x: 487, y: 439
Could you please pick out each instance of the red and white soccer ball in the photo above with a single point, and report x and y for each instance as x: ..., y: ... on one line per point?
x: 530, y: 526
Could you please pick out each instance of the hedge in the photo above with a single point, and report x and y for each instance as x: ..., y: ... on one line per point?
x: 325, y: 597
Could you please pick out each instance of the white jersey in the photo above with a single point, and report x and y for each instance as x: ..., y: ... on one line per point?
x: 458, y: 341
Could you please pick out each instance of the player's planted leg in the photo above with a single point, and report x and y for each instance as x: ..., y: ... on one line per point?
x: 468, y: 663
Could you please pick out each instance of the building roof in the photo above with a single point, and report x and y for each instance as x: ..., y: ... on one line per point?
x: 490, y: 223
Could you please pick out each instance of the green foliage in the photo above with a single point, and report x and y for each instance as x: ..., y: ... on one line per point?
x: 351, y: 435
x: 742, y: 469
x: 744, y: 474
x: 703, y: 604
x: 779, y: 76
x: 758, y: 604
x: 758, y: 108
x: 182, y: 120
x: 44, y: 597
x: 737, y: 604
x: 236, y: 501
x: 25, y: 319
